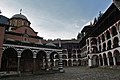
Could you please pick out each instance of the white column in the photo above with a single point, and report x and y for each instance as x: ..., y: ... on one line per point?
x: 54, y: 62
x: 99, y: 63
x: 108, y: 61
x: 103, y: 62
x: 18, y: 65
x: 67, y: 62
x: 89, y: 62
x: 114, y: 61
x: 60, y: 63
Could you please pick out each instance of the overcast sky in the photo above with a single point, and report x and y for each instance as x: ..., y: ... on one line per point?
x: 56, y: 18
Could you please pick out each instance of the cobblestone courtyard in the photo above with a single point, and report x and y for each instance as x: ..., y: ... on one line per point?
x: 75, y: 73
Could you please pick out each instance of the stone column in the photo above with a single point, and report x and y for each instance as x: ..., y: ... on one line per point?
x: 89, y: 62
x: 18, y: 65
x: 108, y: 61
x: 67, y: 62
x: 72, y: 62
x: 99, y: 62
x: 114, y: 61
x: 34, y: 62
x: 60, y: 63
x: 103, y: 62
x: 47, y: 61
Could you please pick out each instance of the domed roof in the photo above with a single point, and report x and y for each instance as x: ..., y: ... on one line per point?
x: 3, y: 20
x: 19, y: 16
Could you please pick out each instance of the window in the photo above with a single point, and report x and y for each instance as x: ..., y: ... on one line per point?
x: 25, y: 31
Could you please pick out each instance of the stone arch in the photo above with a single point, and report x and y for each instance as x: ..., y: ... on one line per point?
x: 74, y: 51
x: 95, y: 49
x: 64, y: 56
x: 115, y: 42
x: 104, y: 46
x: 105, y: 59
x: 79, y: 56
x: 79, y: 62
x: 64, y: 51
x: 41, y: 61
x: 101, y: 60
x: 114, y: 31
x: 95, y: 61
x: 103, y: 37
x: 116, y: 54
x: 9, y: 60
x: 74, y: 62
x: 54, y: 56
x: 93, y: 41
x: 69, y: 62
x: 78, y: 51
x: 107, y: 34
x: 74, y: 56
x: 99, y: 40
x: 110, y: 58
x: 109, y: 45
x: 64, y: 62
x: 26, y: 61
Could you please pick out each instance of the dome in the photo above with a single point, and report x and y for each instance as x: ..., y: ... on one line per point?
x: 19, y: 16
x: 3, y: 20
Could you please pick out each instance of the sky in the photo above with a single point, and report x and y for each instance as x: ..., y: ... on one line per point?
x: 54, y: 19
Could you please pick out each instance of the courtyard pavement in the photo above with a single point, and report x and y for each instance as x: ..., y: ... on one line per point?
x: 75, y: 73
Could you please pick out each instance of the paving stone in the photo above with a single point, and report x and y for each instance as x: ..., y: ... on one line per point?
x: 75, y: 73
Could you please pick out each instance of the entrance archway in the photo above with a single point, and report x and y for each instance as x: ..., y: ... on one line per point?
x: 9, y: 60
x: 79, y: 62
x: 95, y: 61
x: 74, y: 63
x: 41, y: 61
x: 115, y: 42
x: 69, y: 63
x: 64, y: 62
x: 105, y: 59
x: 54, y: 56
x: 117, y: 57
x: 26, y: 61
x: 110, y: 58
x: 101, y: 60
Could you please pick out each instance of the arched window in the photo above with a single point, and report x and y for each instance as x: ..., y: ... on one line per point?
x: 95, y: 49
x: 114, y: 31
x: 117, y: 57
x: 104, y: 47
x: 109, y: 44
x: 115, y: 42
x: 105, y: 59
x: 99, y: 48
x: 103, y: 38
x: 99, y: 40
x: 94, y: 41
x: 110, y: 58
x: 108, y: 35
x: 101, y: 60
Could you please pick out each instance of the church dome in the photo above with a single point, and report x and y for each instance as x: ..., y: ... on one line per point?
x: 19, y: 16
x: 19, y: 20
